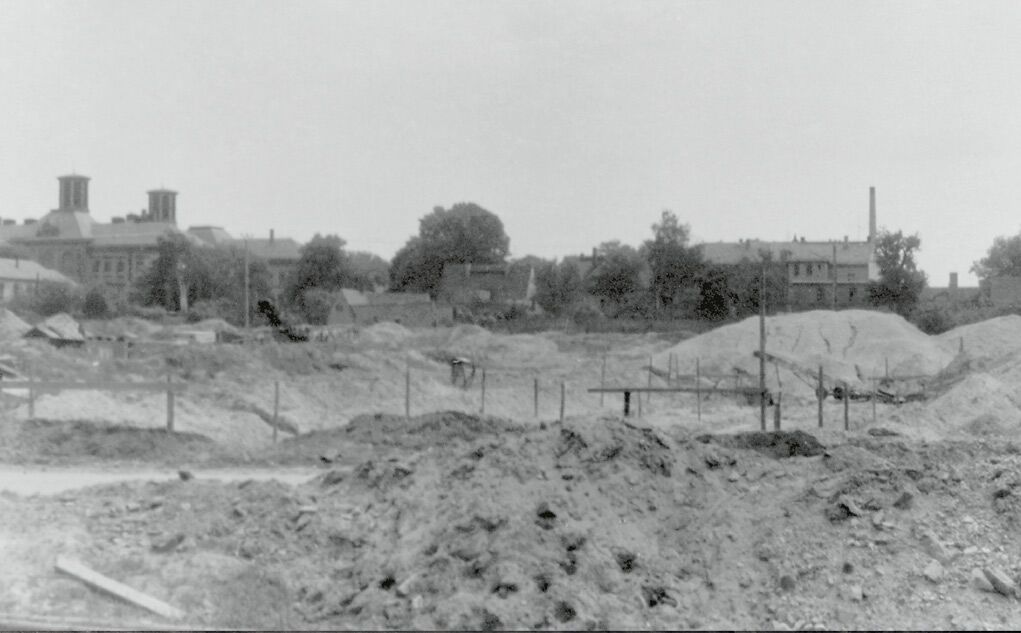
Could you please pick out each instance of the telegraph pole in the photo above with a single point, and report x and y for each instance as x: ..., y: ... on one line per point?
x: 762, y: 345
x: 248, y: 304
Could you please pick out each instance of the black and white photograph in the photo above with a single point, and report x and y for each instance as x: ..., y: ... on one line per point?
x: 510, y: 315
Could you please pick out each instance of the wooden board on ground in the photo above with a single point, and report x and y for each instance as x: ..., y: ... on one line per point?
x: 99, y: 581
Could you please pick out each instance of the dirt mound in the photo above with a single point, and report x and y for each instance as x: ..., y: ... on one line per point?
x: 77, y: 441
x: 778, y: 444
x: 425, y: 430
x: 849, y: 344
x: 612, y: 440
x: 979, y: 403
x: 989, y: 339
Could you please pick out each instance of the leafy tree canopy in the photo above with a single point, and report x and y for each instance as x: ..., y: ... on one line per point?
x: 465, y: 233
x: 1002, y: 259
x: 674, y: 264
x: 618, y: 271
x: 900, y: 282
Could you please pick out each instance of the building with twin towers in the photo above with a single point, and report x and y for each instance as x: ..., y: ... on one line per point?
x: 114, y: 254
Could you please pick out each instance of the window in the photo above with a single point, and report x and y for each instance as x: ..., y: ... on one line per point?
x: 106, y: 265
x: 120, y: 265
x: 850, y: 276
x: 95, y: 266
x: 820, y: 295
x: 850, y: 294
x: 797, y: 269
x: 808, y: 269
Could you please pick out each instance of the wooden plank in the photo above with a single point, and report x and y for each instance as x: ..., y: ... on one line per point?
x: 752, y: 390
x: 93, y: 578
x: 39, y: 385
x: 38, y: 622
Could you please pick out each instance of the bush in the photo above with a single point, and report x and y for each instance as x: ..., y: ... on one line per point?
x: 48, y: 299
x: 933, y: 320
x: 94, y: 305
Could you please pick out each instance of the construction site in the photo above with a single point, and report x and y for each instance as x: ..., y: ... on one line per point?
x: 846, y: 471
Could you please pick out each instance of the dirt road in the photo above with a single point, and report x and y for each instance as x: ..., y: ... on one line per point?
x: 31, y: 480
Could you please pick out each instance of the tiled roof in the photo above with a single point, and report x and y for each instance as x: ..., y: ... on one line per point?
x: 211, y: 234
x: 131, y: 233
x: 735, y: 252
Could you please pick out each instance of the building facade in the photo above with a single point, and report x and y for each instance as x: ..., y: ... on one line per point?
x: 819, y: 274
x: 110, y: 255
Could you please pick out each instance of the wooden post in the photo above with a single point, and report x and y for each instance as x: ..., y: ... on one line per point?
x: 407, y: 391
x: 31, y: 395
x: 820, y: 393
x: 698, y: 390
x: 776, y: 411
x: 762, y: 346
x: 535, y: 396
x: 847, y: 405
x: 483, y: 409
x: 276, y: 408
x: 602, y: 381
x: 639, y: 404
x: 648, y: 394
x: 627, y: 403
x: 561, y: 403
x: 886, y: 360
x: 170, y: 404
x: 875, y: 396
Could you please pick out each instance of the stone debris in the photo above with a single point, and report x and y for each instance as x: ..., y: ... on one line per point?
x: 1000, y: 581
x: 934, y: 572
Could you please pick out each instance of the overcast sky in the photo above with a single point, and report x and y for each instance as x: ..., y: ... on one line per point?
x: 575, y: 122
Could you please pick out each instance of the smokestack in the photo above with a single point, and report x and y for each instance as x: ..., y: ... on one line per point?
x: 271, y: 237
x: 872, y: 214
x: 953, y: 281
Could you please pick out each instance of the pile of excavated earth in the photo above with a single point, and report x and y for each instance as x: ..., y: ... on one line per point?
x: 687, y: 516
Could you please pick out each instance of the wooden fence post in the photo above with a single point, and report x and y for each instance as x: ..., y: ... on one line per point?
x: 407, y: 391
x: 698, y: 389
x: 170, y: 404
x: 875, y: 396
x: 648, y: 394
x: 820, y: 393
x: 776, y: 411
x: 276, y: 408
x: 483, y: 410
x: 535, y: 396
x: 602, y: 381
x: 561, y: 403
x: 847, y: 405
x: 31, y: 395
x: 640, y: 404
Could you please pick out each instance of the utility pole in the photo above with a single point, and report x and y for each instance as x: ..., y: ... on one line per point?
x: 248, y: 304
x: 834, y: 275
x: 762, y: 345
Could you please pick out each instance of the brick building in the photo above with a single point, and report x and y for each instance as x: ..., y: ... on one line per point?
x: 69, y: 240
x: 819, y: 274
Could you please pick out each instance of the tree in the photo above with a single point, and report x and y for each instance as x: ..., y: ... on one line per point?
x: 557, y: 287
x: 94, y: 305
x: 674, y: 265
x: 900, y: 282
x: 368, y: 270
x: 213, y: 275
x: 1002, y: 259
x: 617, y: 273
x: 465, y: 233
x: 323, y: 266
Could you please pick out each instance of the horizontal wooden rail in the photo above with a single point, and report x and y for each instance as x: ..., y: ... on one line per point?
x: 40, y: 385
x: 674, y: 389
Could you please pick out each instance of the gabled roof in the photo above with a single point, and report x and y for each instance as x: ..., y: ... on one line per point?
x: 131, y: 233
x: 211, y: 234
x: 28, y: 270
x: 735, y: 252
x: 277, y: 248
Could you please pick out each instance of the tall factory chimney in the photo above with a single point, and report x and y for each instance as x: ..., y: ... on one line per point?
x: 872, y: 214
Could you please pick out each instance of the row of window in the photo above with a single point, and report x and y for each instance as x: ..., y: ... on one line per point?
x: 807, y: 269
x: 821, y: 295
x: 16, y: 289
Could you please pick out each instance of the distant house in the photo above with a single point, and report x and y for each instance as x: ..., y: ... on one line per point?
x: 818, y: 274
x: 407, y: 308
x: 463, y: 284
x: 950, y: 295
x: 20, y: 276
x: 280, y: 254
x: 1005, y: 292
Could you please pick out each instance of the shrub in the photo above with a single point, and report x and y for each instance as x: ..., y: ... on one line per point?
x: 94, y: 305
